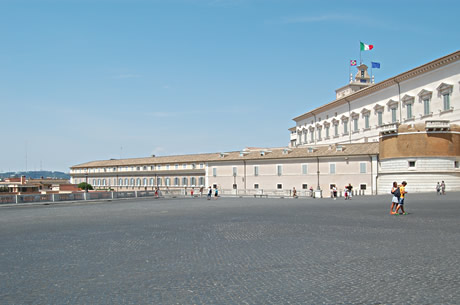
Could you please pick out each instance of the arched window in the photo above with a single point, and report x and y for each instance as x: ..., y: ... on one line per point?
x: 120, y: 181
x: 168, y: 181
x: 98, y: 181
x: 103, y: 182
x: 138, y: 181
x: 145, y: 181
x: 193, y: 181
x: 176, y: 181
x: 94, y: 181
x: 126, y: 181
x: 152, y: 181
x: 159, y: 181
x: 132, y: 182
x: 201, y: 181
x: 185, y: 181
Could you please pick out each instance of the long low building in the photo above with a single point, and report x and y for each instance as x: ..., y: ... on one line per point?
x: 251, y: 169
x: 403, y: 128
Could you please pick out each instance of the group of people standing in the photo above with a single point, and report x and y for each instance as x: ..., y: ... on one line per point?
x: 397, y: 203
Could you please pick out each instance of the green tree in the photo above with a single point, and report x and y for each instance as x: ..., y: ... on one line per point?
x: 85, y: 186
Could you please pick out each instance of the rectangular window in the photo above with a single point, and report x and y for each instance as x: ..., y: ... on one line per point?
x: 345, y: 127
x: 312, y: 136
x: 411, y: 164
x: 256, y: 170
x: 355, y: 124
x: 426, y: 106
x: 256, y: 186
x: 304, y: 169
x: 362, y: 168
x: 279, y: 186
x: 305, y: 186
x: 362, y: 187
x: 393, y: 115
x: 409, y: 111
x: 235, y: 171
x: 456, y: 164
x: 327, y: 132
x: 366, y: 121
x: 380, y: 118
x: 336, y: 130
x: 201, y: 165
x: 446, y: 101
x: 319, y: 134
x: 214, y: 172
x: 279, y: 170
x: 332, y: 168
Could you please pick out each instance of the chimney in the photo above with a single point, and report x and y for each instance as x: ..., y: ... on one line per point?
x: 23, y: 179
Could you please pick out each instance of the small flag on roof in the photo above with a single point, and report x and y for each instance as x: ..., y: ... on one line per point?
x: 353, y: 62
x: 375, y: 65
x: 366, y: 47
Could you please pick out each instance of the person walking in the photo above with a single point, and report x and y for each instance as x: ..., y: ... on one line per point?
x: 394, y: 200
x: 294, y: 192
x: 402, y: 190
x: 443, y: 188
x: 349, y: 191
x: 334, y: 192
x: 216, y: 193
x: 438, y: 189
x: 191, y: 192
x: 209, y: 193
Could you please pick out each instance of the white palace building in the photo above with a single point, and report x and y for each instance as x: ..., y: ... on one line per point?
x: 404, y: 128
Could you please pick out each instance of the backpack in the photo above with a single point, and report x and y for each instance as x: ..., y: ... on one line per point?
x: 397, y: 192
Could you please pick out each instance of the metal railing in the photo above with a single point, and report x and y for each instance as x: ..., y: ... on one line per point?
x: 166, y: 193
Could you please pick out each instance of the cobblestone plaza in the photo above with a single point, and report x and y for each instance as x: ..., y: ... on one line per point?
x: 232, y: 251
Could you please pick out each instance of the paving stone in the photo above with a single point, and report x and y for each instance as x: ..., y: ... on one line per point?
x: 232, y: 251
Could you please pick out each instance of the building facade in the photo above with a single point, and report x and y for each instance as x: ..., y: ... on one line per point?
x: 362, y: 110
x: 404, y: 128
x: 250, y: 171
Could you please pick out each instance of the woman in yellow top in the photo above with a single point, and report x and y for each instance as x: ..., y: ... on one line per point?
x: 402, y: 189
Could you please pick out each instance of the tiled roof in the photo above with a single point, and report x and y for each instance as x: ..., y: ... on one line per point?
x: 247, y: 154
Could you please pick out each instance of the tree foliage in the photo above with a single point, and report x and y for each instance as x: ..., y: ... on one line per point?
x: 85, y: 186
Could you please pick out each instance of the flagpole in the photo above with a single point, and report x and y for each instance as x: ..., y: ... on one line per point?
x: 360, y: 60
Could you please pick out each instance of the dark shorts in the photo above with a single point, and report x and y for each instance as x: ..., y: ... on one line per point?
x: 401, y: 201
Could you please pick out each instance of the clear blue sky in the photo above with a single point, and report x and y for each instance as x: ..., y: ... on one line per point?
x: 98, y: 79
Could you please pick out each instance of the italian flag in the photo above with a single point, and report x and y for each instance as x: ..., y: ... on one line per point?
x: 366, y: 47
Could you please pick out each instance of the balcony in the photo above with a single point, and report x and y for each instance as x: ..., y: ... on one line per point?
x: 293, y: 136
x: 437, y: 125
x: 389, y: 128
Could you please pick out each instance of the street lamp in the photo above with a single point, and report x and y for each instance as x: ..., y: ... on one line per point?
x: 86, y: 183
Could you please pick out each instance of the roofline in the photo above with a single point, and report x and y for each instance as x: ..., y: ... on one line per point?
x: 437, y: 63
x: 149, y: 161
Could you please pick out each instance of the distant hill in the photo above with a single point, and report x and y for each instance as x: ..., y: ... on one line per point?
x: 36, y: 174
